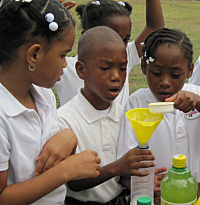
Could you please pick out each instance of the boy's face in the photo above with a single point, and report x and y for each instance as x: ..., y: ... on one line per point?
x: 168, y: 73
x: 104, y: 74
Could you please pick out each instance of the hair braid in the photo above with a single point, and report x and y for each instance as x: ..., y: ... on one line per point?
x: 170, y: 36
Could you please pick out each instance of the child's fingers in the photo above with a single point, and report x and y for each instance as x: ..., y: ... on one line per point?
x: 139, y: 173
x: 160, y: 170
x: 42, y: 161
x: 138, y: 165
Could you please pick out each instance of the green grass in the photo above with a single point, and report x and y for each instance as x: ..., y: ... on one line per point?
x: 182, y: 15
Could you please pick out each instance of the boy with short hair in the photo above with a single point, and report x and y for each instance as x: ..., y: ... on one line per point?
x: 94, y: 117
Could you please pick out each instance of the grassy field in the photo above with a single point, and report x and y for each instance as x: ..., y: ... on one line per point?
x: 182, y: 15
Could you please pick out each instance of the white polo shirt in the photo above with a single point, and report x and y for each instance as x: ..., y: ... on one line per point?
x: 177, y: 133
x: 22, y: 135
x: 94, y: 132
x: 195, y: 79
x: 70, y: 82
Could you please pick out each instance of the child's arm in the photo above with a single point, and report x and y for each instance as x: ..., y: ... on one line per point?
x: 56, y: 149
x: 185, y: 101
x: 127, y: 165
x: 85, y: 164
x: 154, y: 20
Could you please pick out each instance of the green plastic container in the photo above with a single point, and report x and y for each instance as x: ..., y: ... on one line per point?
x: 144, y: 201
x: 179, y: 186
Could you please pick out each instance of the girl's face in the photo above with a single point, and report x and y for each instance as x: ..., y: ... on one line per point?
x: 122, y: 25
x: 168, y: 73
x: 105, y: 74
x: 49, y: 66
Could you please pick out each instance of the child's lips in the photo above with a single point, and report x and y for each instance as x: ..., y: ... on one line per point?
x: 114, y: 92
x: 164, y: 95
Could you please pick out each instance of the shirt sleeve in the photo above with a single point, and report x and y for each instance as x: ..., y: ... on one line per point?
x: 4, y: 150
x: 132, y: 56
x: 195, y: 79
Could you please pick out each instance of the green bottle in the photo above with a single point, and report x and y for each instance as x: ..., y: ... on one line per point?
x: 179, y: 186
x: 144, y: 200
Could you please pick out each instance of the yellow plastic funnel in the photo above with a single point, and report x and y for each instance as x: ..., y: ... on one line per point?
x: 143, y: 123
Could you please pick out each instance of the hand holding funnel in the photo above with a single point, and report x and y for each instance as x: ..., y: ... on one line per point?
x: 144, y: 124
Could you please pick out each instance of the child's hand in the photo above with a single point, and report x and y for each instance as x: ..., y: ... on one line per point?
x: 158, y: 178
x: 185, y: 101
x: 129, y: 164
x: 83, y: 165
x: 68, y: 4
x: 56, y: 149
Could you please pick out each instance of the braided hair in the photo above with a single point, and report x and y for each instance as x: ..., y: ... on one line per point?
x: 97, y: 13
x: 169, y: 36
x: 23, y: 21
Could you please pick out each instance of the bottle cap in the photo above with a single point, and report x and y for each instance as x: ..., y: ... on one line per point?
x: 179, y: 161
x: 144, y: 200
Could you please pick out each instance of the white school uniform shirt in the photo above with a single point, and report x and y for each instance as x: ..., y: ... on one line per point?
x: 22, y: 135
x: 177, y: 133
x: 94, y: 132
x: 70, y: 82
x: 195, y: 79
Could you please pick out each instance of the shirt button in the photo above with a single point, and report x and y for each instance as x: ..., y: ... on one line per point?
x: 179, y: 130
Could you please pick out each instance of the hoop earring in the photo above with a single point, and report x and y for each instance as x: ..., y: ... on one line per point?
x: 31, y: 69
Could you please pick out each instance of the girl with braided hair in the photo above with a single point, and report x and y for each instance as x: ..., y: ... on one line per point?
x: 167, y: 63
x: 115, y: 15
x: 35, y: 37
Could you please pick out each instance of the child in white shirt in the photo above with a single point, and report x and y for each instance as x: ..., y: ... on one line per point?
x: 94, y: 117
x: 167, y: 62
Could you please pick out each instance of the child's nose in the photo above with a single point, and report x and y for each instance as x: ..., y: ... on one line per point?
x: 165, y: 82
x: 115, y: 76
x: 64, y: 63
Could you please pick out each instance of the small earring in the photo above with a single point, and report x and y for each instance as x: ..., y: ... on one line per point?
x: 31, y: 69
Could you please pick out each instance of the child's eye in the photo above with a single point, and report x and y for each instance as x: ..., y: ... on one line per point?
x: 175, y: 75
x: 126, y: 40
x: 157, y: 74
x: 104, y: 68
x: 63, y: 56
x: 123, y: 69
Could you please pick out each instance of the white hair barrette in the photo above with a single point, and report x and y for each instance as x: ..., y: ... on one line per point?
x: 121, y: 3
x: 151, y: 59
x: 142, y: 43
x: 96, y: 3
x: 53, y: 26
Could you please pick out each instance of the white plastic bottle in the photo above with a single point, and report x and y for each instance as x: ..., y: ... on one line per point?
x: 142, y: 186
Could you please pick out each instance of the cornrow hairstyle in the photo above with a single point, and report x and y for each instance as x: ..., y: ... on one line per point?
x: 93, y: 15
x: 23, y: 21
x: 169, y: 36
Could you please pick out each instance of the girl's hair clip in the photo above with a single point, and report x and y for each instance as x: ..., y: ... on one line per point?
x: 96, y: 3
x: 142, y: 43
x: 145, y: 54
x: 151, y: 59
x: 121, y: 3
x: 53, y: 26
x: 147, y: 61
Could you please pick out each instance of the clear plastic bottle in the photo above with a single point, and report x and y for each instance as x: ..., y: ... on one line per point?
x: 142, y: 186
x: 144, y: 200
x: 179, y: 186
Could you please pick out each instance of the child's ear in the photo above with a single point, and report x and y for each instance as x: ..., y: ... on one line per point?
x: 190, y: 71
x: 143, y: 66
x: 80, y: 69
x: 33, y: 54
